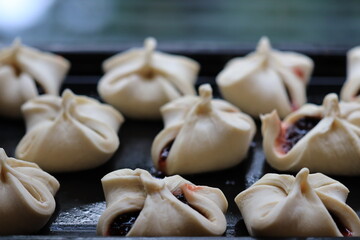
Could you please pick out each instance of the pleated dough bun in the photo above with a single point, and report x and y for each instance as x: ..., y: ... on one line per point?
x: 26, y: 196
x: 322, y: 138
x: 265, y: 80
x: 70, y: 133
x: 351, y: 88
x: 201, y: 134
x: 21, y: 68
x: 308, y: 205
x: 139, y: 81
x: 160, y: 207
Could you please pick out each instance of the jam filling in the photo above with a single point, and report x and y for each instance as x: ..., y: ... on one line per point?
x: 122, y: 224
x: 181, y: 197
x: 297, y: 131
x: 164, y: 155
x: 298, y: 72
x: 342, y: 228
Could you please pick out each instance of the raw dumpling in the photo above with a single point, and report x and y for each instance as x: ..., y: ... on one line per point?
x: 141, y: 205
x: 139, y: 81
x: 201, y: 134
x: 322, y: 138
x: 70, y: 133
x: 266, y: 80
x: 26, y: 196
x: 308, y: 205
x: 21, y: 69
x: 351, y: 89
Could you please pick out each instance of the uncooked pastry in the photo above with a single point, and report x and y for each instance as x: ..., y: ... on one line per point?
x: 141, y: 205
x: 308, y: 205
x: 201, y: 134
x: 322, y: 138
x: 266, y: 80
x: 351, y: 88
x: 21, y: 68
x: 26, y: 196
x: 139, y: 81
x: 70, y: 133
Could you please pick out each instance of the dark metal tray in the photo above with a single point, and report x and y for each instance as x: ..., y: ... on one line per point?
x: 80, y: 200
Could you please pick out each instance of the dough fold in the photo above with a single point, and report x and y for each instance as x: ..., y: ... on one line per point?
x: 308, y: 205
x: 23, y: 68
x: 139, y: 81
x: 265, y: 80
x: 70, y: 133
x: 171, y: 206
x: 26, y: 196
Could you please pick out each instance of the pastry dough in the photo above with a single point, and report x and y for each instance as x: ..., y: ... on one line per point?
x: 322, y: 138
x: 266, y: 80
x: 141, y: 205
x: 351, y: 88
x: 201, y: 134
x: 139, y: 81
x: 310, y: 205
x: 21, y: 68
x: 70, y: 133
x: 26, y: 196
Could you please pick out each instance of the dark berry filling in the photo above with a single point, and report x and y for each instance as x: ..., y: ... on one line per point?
x: 342, y: 228
x: 122, y: 224
x: 181, y: 198
x: 358, y: 93
x: 297, y: 131
x: 164, y: 155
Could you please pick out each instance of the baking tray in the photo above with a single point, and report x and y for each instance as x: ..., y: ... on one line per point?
x: 80, y: 200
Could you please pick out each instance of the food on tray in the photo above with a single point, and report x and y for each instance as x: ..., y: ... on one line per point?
x: 266, y: 80
x: 22, y: 71
x: 68, y: 133
x: 139, y: 81
x: 26, y: 196
x: 351, y: 89
x: 201, y: 134
x: 141, y: 205
x: 308, y: 205
x: 322, y: 138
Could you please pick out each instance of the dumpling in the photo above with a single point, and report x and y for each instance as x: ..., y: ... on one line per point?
x: 308, y: 205
x: 201, y: 134
x: 21, y: 69
x: 70, y: 133
x: 266, y: 80
x: 26, y: 196
x: 351, y: 88
x: 141, y: 205
x: 322, y: 138
x: 139, y: 81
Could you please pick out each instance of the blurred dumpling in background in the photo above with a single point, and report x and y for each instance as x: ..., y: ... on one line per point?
x: 351, y: 88
x: 139, y: 81
x: 265, y: 80
x: 69, y: 133
x: 22, y: 71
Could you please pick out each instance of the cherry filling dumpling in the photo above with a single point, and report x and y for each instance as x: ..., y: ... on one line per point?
x: 265, y: 80
x: 351, y: 88
x: 139, y: 81
x: 322, y: 138
x: 201, y: 134
x: 308, y: 205
x: 26, y: 196
x: 68, y: 133
x: 22, y: 71
x: 138, y: 204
